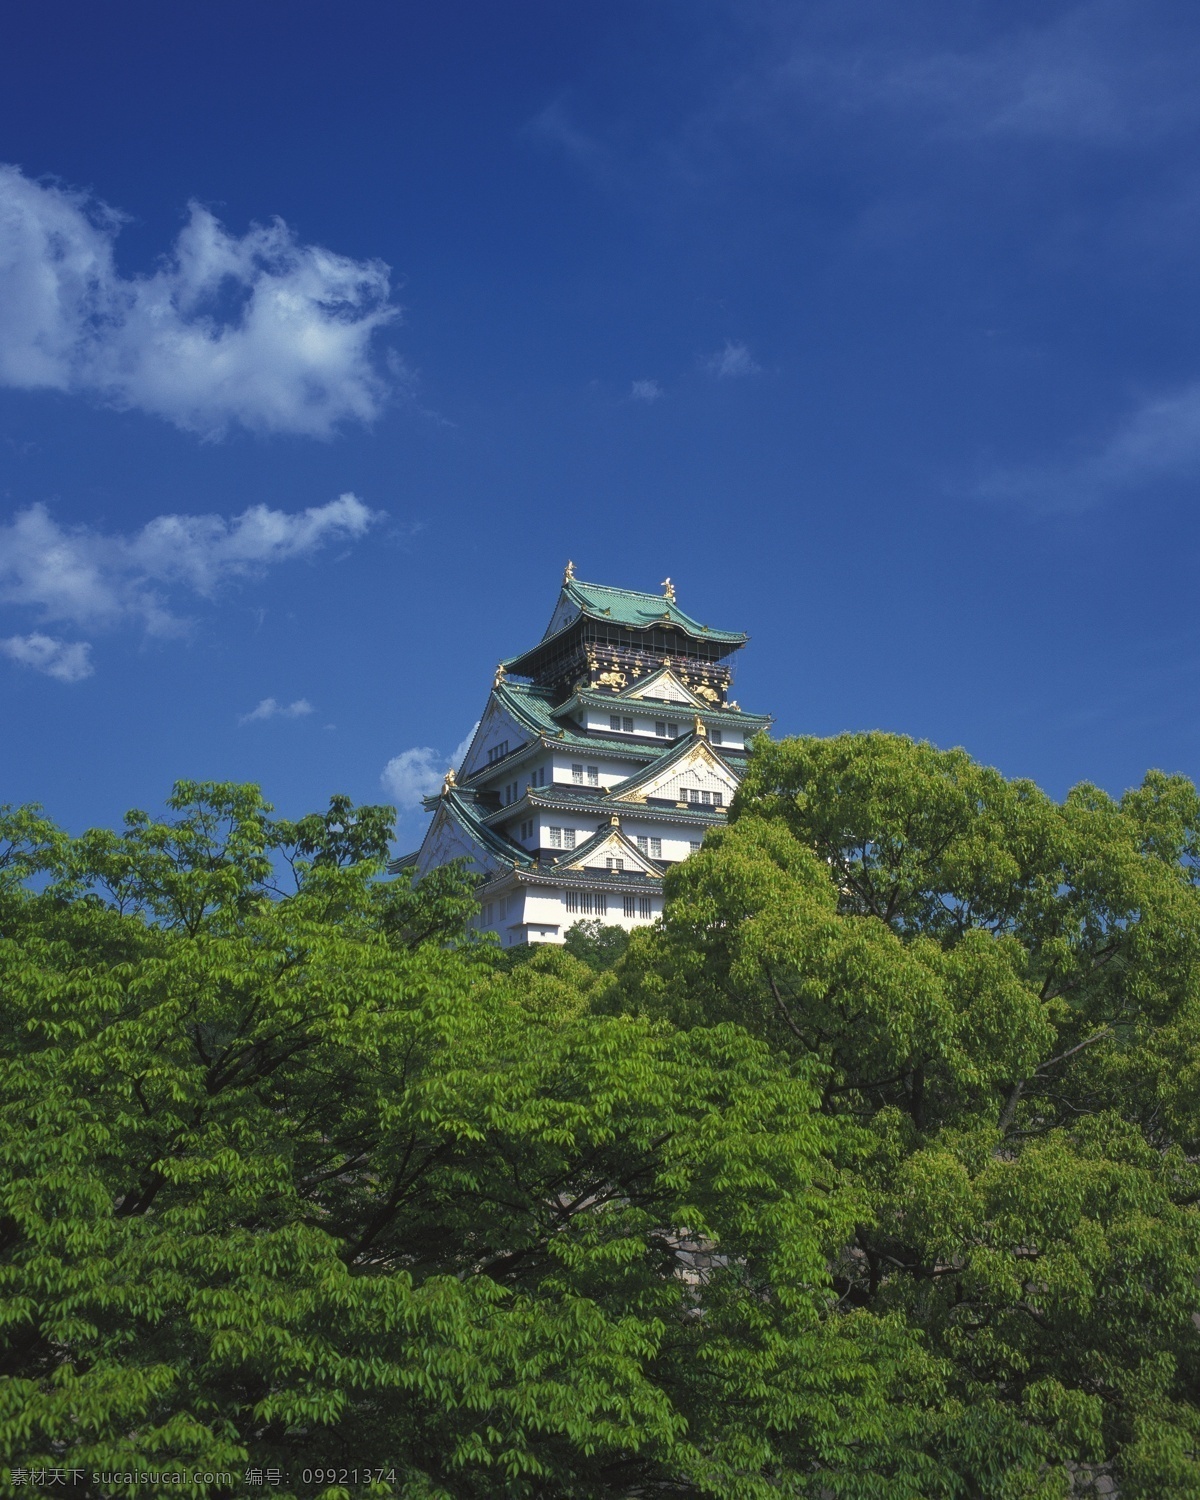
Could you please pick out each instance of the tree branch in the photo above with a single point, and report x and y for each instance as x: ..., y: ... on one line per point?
x: 1018, y: 1088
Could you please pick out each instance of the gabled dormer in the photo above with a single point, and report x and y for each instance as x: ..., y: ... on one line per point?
x: 500, y: 734
x: 610, y: 849
x: 692, y: 774
x: 664, y: 686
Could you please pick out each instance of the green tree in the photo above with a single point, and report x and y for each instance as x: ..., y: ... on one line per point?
x: 1002, y: 992
x: 299, y: 1176
x: 600, y: 945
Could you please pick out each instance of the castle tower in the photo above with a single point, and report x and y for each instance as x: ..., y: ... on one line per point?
x: 603, y: 755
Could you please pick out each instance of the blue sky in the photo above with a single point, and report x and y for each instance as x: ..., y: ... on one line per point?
x: 327, y: 336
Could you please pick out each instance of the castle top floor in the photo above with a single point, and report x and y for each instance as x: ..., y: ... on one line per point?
x: 603, y: 639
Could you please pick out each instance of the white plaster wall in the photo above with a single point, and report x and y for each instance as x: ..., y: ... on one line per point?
x: 544, y: 905
x: 584, y: 824
x: 678, y: 847
x: 610, y: 769
x: 539, y: 914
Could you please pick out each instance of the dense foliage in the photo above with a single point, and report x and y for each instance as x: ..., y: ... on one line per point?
x: 871, y: 1172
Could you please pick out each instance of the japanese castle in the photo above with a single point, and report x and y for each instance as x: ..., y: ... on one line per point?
x: 602, y: 756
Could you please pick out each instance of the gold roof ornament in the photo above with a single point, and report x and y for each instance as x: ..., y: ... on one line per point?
x: 698, y: 728
x: 569, y: 572
x: 449, y: 783
x: 614, y: 821
x: 501, y: 676
x: 668, y: 589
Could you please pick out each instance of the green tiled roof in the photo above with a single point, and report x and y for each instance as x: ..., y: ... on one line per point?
x: 534, y: 709
x: 664, y: 708
x: 466, y: 815
x: 641, y: 611
x: 561, y: 798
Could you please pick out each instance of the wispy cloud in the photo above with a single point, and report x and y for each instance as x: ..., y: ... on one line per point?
x: 648, y: 391
x: 1159, y: 440
x: 96, y: 579
x: 66, y: 661
x: 553, y: 127
x: 260, y: 329
x: 1089, y: 74
x: 418, y: 773
x: 271, y: 708
x: 733, y: 361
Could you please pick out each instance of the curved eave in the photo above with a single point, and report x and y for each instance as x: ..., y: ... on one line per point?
x: 604, y: 806
x: 474, y: 826
x: 723, y: 718
x: 605, y: 880
x: 658, y: 609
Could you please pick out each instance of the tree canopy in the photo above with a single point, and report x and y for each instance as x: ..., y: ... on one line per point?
x: 870, y: 1172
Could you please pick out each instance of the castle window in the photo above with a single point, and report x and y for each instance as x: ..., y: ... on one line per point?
x: 587, y: 903
x: 568, y: 838
x: 715, y: 736
x: 656, y: 848
x: 593, y: 775
x: 627, y: 725
x: 644, y: 907
x: 694, y: 846
x: 497, y: 752
x: 556, y: 838
x: 642, y: 842
x: 614, y: 864
x: 660, y: 728
x: 577, y: 774
x: 631, y: 906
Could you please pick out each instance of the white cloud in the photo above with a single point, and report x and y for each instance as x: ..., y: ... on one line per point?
x: 412, y: 775
x: 66, y: 661
x: 419, y: 772
x: 96, y: 579
x: 731, y: 362
x: 1159, y: 440
x: 648, y: 391
x: 259, y: 330
x: 271, y: 708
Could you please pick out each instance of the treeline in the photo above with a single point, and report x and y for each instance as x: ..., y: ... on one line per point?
x: 870, y: 1173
